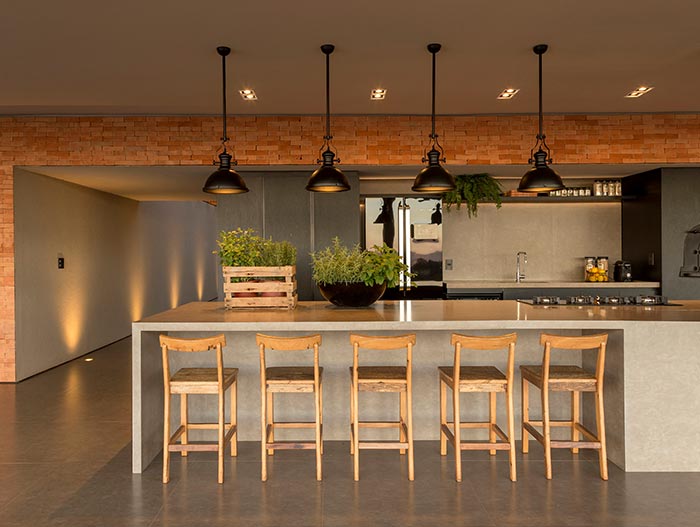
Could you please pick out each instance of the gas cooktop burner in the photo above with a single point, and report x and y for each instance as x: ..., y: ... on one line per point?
x: 585, y: 300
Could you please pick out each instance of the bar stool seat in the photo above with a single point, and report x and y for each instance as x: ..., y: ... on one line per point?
x: 299, y: 378
x: 201, y: 380
x: 561, y: 378
x: 475, y: 378
x: 382, y: 378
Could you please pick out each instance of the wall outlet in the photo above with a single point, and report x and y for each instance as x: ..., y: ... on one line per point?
x: 448, y: 264
x: 61, y: 262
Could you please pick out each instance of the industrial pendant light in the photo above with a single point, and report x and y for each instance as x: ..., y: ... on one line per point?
x: 225, y: 180
x: 434, y: 178
x: 540, y: 178
x: 328, y: 178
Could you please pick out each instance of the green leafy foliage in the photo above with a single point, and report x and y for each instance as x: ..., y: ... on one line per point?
x: 338, y: 264
x: 471, y: 189
x: 244, y: 248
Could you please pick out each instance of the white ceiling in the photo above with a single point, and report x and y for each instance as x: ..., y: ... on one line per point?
x: 158, y: 57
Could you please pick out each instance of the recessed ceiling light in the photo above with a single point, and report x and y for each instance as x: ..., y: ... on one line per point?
x: 638, y: 92
x: 248, y: 95
x: 89, y: 359
x: 378, y: 94
x: 508, y: 93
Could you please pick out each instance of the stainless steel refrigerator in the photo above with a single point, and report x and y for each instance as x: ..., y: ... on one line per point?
x: 412, y: 226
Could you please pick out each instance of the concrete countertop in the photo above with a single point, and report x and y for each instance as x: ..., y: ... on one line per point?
x: 409, y: 314
x: 535, y: 284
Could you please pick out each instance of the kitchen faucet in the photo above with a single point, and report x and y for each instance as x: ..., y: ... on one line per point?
x: 520, y: 275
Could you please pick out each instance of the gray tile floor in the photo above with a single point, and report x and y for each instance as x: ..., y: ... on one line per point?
x: 65, y: 461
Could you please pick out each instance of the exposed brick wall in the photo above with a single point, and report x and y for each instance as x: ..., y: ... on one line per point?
x: 361, y: 140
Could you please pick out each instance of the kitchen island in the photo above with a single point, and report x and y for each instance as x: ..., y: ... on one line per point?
x: 652, y: 393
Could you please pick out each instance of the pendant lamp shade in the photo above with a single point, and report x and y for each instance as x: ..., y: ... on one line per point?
x: 434, y: 178
x: 224, y: 180
x: 540, y: 178
x: 328, y: 177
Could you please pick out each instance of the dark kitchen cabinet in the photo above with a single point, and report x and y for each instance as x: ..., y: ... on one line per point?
x: 278, y: 205
x: 663, y: 205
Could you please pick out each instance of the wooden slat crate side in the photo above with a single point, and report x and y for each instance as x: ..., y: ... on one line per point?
x: 287, y: 271
x: 266, y: 286
x: 280, y: 302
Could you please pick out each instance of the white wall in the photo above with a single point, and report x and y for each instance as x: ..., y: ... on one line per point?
x: 556, y: 237
x: 124, y: 260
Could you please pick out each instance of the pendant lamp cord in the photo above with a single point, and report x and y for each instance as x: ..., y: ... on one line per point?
x: 328, y: 136
x: 540, y: 135
x: 540, y: 144
x: 433, y: 135
x: 224, y: 137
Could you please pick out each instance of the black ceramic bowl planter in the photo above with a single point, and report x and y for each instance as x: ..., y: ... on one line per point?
x: 352, y: 295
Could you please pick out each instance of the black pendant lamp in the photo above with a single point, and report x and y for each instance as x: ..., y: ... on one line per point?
x: 328, y: 178
x: 540, y: 178
x: 225, y: 180
x: 434, y: 178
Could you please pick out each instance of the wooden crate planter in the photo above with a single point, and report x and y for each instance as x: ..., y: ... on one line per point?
x: 285, y: 283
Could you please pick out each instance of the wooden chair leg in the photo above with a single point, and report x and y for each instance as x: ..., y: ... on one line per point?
x: 575, y: 417
x: 457, y: 434
x: 525, y: 416
x: 320, y: 411
x: 317, y: 397
x: 222, y: 433
x: 492, y: 420
x: 409, y: 414
x: 443, y: 417
x: 166, y: 438
x: 547, y: 433
x: 511, y: 434
x: 600, y: 424
x: 263, y: 431
x: 234, y: 418
x: 183, y: 421
x: 271, y: 419
x: 402, y: 419
x: 356, y: 428
x: 352, y: 419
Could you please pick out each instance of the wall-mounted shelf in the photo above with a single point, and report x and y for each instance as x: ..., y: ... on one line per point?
x: 562, y: 199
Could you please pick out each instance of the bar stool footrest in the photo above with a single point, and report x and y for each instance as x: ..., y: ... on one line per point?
x: 381, y: 445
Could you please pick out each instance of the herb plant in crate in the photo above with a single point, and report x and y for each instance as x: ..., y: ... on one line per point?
x: 352, y: 277
x: 257, y: 272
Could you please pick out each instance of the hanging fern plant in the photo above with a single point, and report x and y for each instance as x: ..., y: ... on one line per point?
x: 471, y: 189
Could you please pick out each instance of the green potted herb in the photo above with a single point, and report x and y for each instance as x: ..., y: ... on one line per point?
x: 352, y: 277
x: 472, y: 189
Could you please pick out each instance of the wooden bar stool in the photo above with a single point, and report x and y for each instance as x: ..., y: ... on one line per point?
x: 294, y: 379
x: 572, y: 379
x: 213, y: 381
x: 477, y: 379
x: 395, y: 379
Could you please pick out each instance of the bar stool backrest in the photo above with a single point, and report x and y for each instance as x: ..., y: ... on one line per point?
x: 273, y: 343
x: 217, y: 342
x: 586, y: 342
x: 484, y: 343
x: 383, y: 343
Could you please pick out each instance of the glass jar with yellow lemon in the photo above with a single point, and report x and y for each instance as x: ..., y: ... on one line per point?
x: 595, y: 274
